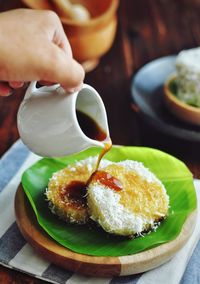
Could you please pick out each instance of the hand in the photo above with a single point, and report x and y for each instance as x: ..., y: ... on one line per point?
x: 34, y: 47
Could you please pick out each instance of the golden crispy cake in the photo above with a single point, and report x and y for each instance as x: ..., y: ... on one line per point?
x: 125, y: 198
x: 66, y: 192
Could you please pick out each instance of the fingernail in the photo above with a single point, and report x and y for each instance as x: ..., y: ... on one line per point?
x: 74, y: 90
x: 6, y: 94
x: 15, y: 84
x: 70, y: 91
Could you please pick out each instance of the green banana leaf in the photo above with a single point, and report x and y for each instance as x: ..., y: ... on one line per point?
x: 94, y: 241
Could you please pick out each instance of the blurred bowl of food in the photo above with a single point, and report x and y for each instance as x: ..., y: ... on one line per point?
x: 182, y: 89
x: 183, y: 111
x: 90, y: 26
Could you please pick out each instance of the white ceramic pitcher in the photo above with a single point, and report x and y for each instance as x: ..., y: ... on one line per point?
x: 48, y: 124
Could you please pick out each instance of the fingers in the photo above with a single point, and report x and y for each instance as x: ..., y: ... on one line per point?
x: 55, y: 31
x: 62, y: 69
x: 60, y: 39
x: 5, y: 90
x: 70, y: 75
x: 41, y: 52
x: 16, y: 85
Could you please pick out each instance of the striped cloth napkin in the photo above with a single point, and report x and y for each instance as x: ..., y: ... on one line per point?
x: 17, y: 254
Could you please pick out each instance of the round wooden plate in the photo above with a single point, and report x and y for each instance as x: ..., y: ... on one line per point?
x: 90, y: 265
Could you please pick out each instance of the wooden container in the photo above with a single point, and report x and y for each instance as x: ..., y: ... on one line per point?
x: 90, y: 39
x: 180, y: 109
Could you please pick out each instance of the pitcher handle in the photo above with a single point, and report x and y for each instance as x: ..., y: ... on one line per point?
x: 32, y: 88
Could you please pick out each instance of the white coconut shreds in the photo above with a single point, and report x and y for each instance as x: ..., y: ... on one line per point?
x: 188, y: 76
x: 112, y: 216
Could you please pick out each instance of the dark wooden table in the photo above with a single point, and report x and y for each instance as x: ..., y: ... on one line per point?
x: 147, y: 30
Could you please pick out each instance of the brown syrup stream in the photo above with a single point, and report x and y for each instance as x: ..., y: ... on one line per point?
x: 76, y: 190
x: 95, y: 132
x: 103, y: 177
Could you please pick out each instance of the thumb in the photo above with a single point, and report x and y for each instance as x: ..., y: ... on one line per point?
x: 63, y: 69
